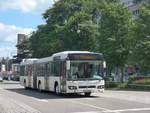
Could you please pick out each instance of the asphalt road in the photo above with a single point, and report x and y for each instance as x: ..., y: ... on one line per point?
x: 15, y: 99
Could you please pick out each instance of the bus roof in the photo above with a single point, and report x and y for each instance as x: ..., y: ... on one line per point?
x: 46, y: 59
x: 65, y: 54
x: 28, y: 61
x: 70, y: 52
x: 58, y: 56
x: 61, y: 55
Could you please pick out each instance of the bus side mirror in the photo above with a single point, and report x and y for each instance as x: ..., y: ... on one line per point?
x: 68, y: 65
x: 104, y: 64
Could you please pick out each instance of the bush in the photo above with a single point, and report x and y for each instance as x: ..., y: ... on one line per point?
x: 142, y: 82
x: 141, y: 87
x: 139, y: 82
x: 112, y: 84
x: 123, y: 85
x: 134, y: 78
x: 139, y: 79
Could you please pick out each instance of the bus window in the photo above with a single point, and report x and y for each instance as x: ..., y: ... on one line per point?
x: 63, y: 69
x: 26, y: 71
x: 47, y: 69
x: 22, y: 71
x: 56, y: 68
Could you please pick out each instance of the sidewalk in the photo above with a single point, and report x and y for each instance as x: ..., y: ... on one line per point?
x: 8, y: 105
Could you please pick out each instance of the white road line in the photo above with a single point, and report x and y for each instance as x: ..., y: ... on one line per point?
x: 41, y: 100
x: 89, y: 98
x: 23, y: 106
x: 123, y: 110
x: 88, y: 112
x: 92, y: 106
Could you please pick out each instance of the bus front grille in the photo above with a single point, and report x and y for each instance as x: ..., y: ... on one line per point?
x: 87, y: 86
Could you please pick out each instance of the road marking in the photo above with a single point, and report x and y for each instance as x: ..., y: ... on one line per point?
x: 88, y: 112
x: 123, y: 110
x: 17, y: 105
x: 41, y: 100
x: 115, y: 111
x: 92, y: 106
x: 89, y: 98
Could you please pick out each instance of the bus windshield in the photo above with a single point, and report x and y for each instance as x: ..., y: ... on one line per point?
x: 86, y: 71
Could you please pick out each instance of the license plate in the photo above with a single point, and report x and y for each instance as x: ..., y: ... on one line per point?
x: 87, y: 90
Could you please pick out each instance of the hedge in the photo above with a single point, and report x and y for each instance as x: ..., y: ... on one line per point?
x: 112, y: 84
x: 137, y: 86
x: 134, y: 78
x: 139, y: 82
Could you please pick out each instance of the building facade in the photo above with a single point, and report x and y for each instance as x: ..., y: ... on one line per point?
x: 22, y: 52
x: 20, y: 39
x: 134, y: 5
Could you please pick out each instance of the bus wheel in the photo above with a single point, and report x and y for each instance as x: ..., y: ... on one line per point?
x: 40, y: 87
x: 25, y: 84
x: 87, y: 94
x: 56, y: 89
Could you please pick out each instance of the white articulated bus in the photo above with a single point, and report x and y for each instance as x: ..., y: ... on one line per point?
x: 65, y: 72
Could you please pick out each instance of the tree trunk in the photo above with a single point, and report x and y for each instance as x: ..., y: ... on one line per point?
x: 122, y: 74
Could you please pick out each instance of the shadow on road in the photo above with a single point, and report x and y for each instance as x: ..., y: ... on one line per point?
x: 46, y: 94
x: 7, y: 82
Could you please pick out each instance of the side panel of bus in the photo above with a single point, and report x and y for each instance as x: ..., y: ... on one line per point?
x: 40, y: 83
x: 34, y: 77
x: 44, y: 76
x: 53, y: 81
x: 54, y: 77
x: 53, y: 74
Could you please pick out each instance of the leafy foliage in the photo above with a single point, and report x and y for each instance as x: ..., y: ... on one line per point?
x: 141, y: 52
x: 104, y: 26
x: 115, y: 27
x: 62, y: 23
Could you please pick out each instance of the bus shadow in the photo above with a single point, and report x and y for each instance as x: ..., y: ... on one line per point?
x: 7, y: 82
x: 46, y: 94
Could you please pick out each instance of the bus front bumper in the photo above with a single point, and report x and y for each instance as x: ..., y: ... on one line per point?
x: 93, y: 90
x: 83, y: 88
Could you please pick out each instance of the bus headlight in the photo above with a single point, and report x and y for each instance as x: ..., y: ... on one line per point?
x: 100, y: 87
x: 72, y: 87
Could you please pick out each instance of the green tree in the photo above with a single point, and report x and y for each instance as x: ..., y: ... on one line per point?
x: 141, y: 52
x: 62, y: 23
x: 115, y: 34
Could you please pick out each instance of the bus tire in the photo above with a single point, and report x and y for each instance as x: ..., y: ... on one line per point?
x: 39, y: 87
x: 56, y: 89
x: 87, y: 94
x: 25, y: 86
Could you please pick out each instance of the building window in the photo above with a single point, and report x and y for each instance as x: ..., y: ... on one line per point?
x: 136, y: 12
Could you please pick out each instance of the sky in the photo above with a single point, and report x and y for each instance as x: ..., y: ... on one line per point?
x: 19, y: 16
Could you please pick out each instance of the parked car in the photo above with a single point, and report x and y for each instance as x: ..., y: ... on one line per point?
x: 109, y: 78
x: 1, y: 79
x: 14, y: 77
x: 5, y: 77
